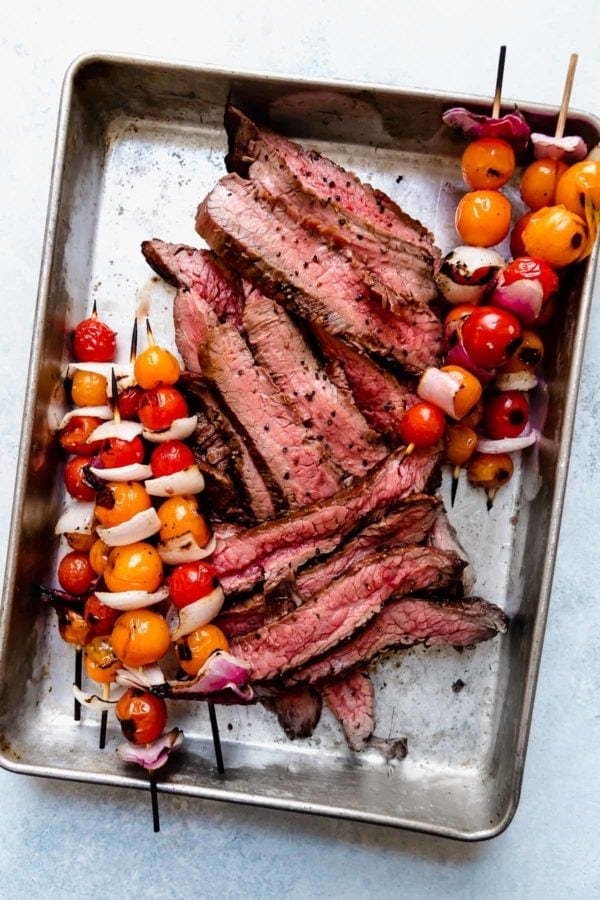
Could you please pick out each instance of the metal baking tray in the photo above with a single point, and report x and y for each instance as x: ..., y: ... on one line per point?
x: 139, y: 143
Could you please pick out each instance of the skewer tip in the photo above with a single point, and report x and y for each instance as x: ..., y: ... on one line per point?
x: 454, y: 485
x: 154, y: 802
x: 490, y: 498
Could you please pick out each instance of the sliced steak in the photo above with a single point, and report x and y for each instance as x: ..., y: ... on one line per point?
x: 298, y: 710
x: 280, y: 348
x: 257, y: 237
x: 344, y: 606
x: 330, y: 183
x: 394, y: 479
x: 407, y: 621
x: 351, y: 699
x: 381, y: 398
x: 443, y: 536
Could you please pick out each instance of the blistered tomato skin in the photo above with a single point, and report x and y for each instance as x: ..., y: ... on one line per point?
x: 490, y: 471
x: 119, y: 501
x: 75, y: 573
x: 189, y: 582
x: 156, y: 366
x: 422, y: 425
x: 506, y: 414
x: 517, y: 247
x: 483, y: 218
x: 135, y: 567
x: 115, y: 452
x: 159, y: 407
x: 490, y: 336
x: 100, y: 661
x: 557, y: 236
x: 73, y: 437
x: 539, y: 182
x: 75, y: 481
x: 94, y: 341
x: 527, y: 356
x: 88, y: 389
x: 488, y: 163
x: 179, y: 515
x: 129, y: 401
x: 170, y: 457
x: 99, y: 617
x: 580, y: 179
x: 142, y: 715
x: 140, y: 637
x: 460, y: 444
x: 196, y: 648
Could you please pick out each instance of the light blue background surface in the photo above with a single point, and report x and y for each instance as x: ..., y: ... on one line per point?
x: 60, y: 840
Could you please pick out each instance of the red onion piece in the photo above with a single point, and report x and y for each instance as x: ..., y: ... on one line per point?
x: 568, y: 149
x: 439, y: 388
x: 512, y: 127
x: 152, y: 756
x: 508, y: 445
x: 220, y: 672
x: 523, y: 298
x: 458, y: 356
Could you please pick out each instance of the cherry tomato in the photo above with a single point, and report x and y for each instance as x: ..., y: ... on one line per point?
x: 74, y: 435
x: 155, y: 366
x: 72, y: 627
x: 527, y: 267
x: 506, y: 414
x: 539, y: 181
x: 160, y: 406
x: 528, y: 354
x: 99, y: 556
x: 460, y: 444
x: 79, y: 540
x: 179, y: 515
x: 490, y: 336
x: 140, y: 637
x: 115, y: 452
x: 556, y: 235
x: 75, y: 481
x: 135, y: 567
x: 190, y: 581
x: 194, y: 649
x: 119, y: 501
x: 129, y: 401
x: 100, y: 660
x: 172, y: 456
x: 581, y: 179
x: 94, y: 341
x: 88, y: 389
x: 475, y: 417
x: 490, y: 470
x: 75, y: 573
x: 99, y: 617
x: 483, y: 218
x: 422, y: 425
x: 142, y: 715
x: 453, y: 323
x: 488, y: 163
x: 469, y: 392
x: 517, y: 247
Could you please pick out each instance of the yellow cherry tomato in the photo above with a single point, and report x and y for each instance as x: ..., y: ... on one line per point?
x: 469, y: 392
x: 156, y: 366
x: 140, y: 637
x: 460, y: 444
x: 488, y: 163
x: 581, y: 179
x: 556, y: 235
x: 100, y: 661
x: 88, y: 389
x: 483, y: 218
x: 539, y: 182
x: 527, y: 356
x: 135, y: 567
x: 179, y: 515
x: 78, y: 540
x: 194, y: 649
x: 490, y: 470
x: 119, y: 501
x: 99, y: 553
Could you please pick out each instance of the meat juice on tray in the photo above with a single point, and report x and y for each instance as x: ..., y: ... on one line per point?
x: 306, y: 337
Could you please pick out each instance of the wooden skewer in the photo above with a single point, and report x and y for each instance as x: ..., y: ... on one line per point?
x: 154, y: 802
x: 151, y: 341
x: 115, y: 397
x: 454, y: 486
x: 78, y: 666
x: 104, y: 717
x: 214, y: 725
x: 410, y: 448
x: 499, y: 79
x: 134, y: 340
x: 94, y: 310
x: 564, y: 106
x: 490, y: 498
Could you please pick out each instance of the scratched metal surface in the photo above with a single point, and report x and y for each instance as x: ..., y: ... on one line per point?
x: 142, y: 144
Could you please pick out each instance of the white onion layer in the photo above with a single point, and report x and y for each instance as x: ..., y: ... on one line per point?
x: 124, y: 431
x: 133, y: 472
x: 198, y: 613
x: 184, y: 548
x: 185, y: 482
x: 440, y: 388
x: 78, y: 518
x: 126, y: 600
x: 508, y: 445
x: 141, y: 526
x: 98, y: 412
x: 516, y: 381
x: 179, y: 430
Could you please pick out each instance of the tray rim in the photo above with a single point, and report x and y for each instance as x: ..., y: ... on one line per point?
x: 78, y: 66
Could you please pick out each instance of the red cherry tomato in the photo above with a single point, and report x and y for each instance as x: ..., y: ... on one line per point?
x: 75, y: 481
x: 529, y: 267
x: 115, y: 452
x: 517, y: 245
x: 94, y: 341
x: 142, y: 716
x: 422, y: 425
x: 75, y: 573
x: 172, y: 456
x: 160, y: 406
x: 190, y: 581
x: 73, y: 437
x: 129, y: 400
x: 506, y: 414
x: 99, y: 617
x: 490, y: 335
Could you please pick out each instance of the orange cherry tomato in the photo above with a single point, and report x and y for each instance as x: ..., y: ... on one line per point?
x: 155, y: 366
x: 99, y: 556
x: 142, y: 715
x: 483, y: 218
x: 556, y: 235
x: 72, y: 626
x: 135, y: 567
x: 194, y: 649
x: 79, y: 540
x: 100, y: 661
x: 73, y: 437
x: 490, y: 470
x: 488, y: 163
x: 119, y: 501
x: 580, y: 179
x: 460, y: 444
x: 75, y: 573
x: 88, y: 389
x: 140, y: 637
x: 422, y: 425
x: 539, y: 181
x: 474, y: 418
x: 528, y: 354
x: 179, y: 515
x: 469, y: 392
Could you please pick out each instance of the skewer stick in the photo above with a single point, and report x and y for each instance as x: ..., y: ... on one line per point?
x: 94, y: 310
x: 490, y: 498
x: 115, y: 397
x: 454, y: 486
x: 104, y: 717
x: 214, y: 725
x: 499, y: 79
x: 78, y: 663
x: 564, y: 106
x: 151, y: 341
x: 154, y: 802
x: 409, y: 449
x: 134, y: 339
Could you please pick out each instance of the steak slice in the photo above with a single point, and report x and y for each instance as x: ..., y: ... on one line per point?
x: 395, y: 478
x: 443, y: 536
x: 298, y: 710
x: 257, y: 237
x: 280, y: 348
x: 342, y: 607
x: 351, y: 699
x: 406, y: 621
x: 380, y: 397
x: 330, y: 183
x: 405, y: 267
